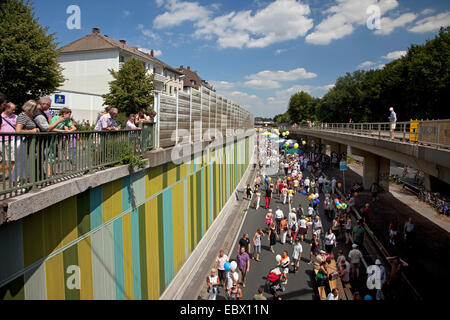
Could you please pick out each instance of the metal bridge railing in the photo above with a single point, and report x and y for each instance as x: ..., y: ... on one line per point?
x: 434, y: 133
x: 28, y: 161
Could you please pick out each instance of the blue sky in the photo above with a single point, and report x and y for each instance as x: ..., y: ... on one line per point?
x: 256, y: 52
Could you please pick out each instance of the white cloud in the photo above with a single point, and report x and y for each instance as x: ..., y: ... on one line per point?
x: 148, y: 33
x: 388, y: 25
x: 431, y: 23
x: 380, y: 66
x: 318, y: 91
x: 394, y: 55
x: 179, y: 12
x: 279, y: 21
x: 344, y: 17
x: 262, y: 84
x: 292, y: 75
x: 156, y: 53
x: 279, y: 51
x: 427, y: 11
x: 366, y: 64
x: 223, y: 85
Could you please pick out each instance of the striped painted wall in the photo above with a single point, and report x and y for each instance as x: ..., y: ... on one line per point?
x: 126, y: 239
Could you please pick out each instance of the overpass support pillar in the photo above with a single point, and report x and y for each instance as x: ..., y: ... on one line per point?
x: 336, y: 147
x: 376, y: 169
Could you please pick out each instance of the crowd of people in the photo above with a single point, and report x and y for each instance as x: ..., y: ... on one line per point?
x: 302, y: 227
x: 36, y: 116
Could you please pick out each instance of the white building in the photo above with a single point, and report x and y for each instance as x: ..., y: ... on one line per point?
x: 86, y: 62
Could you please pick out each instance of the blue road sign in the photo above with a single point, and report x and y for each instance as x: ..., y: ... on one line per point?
x: 60, y: 99
x: 343, y: 166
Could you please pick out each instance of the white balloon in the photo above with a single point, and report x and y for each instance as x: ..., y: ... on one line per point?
x: 278, y: 258
x: 236, y: 276
x: 233, y: 266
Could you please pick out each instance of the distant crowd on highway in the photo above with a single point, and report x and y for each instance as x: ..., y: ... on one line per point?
x: 299, y: 175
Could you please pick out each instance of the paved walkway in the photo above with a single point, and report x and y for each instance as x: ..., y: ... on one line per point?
x: 300, y: 286
x: 429, y: 258
x: 410, y: 200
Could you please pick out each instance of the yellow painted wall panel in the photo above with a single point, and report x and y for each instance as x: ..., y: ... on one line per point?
x: 112, y: 200
x: 69, y: 221
x: 54, y: 275
x: 85, y: 264
x: 171, y: 173
x: 154, y: 183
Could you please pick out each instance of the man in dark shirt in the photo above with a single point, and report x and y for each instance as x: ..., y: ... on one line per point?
x: 245, y: 243
x: 268, y: 197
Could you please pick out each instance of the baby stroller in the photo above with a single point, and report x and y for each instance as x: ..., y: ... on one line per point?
x: 273, y: 283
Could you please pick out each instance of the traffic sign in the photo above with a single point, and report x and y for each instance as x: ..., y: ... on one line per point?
x: 343, y: 166
x: 60, y: 99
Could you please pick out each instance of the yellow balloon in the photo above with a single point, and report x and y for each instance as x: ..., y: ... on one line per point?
x: 296, y: 146
x: 287, y: 133
x: 303, y: 142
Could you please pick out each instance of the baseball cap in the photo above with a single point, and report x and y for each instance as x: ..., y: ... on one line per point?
x: 321, y: 251
x: 354, y: 245
x: 377, y: 261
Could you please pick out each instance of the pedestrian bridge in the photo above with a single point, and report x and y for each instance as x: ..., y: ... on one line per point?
x: 424, y: 145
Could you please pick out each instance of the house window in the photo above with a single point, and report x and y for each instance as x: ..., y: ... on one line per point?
x: 121, y: 59
x: 165, y: 73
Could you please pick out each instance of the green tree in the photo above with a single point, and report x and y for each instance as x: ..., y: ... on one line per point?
x: 29, y: 66
x: 281, y: 118
x: 302, y: 107
x: 131, y: 89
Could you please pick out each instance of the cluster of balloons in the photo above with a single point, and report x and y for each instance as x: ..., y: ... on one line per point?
x: 342, y: 206
x: 230, y: 266
x: 285, y: 134
x: 313, y: 196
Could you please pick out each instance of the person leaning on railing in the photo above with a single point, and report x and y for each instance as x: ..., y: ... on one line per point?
x: 7, y: 146
x: 106, y: 121
x: 65, y: 126
x: 25, y: 124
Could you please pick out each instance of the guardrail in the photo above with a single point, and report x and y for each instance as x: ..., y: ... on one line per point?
x: 31, y: 160
x: 434, y: 133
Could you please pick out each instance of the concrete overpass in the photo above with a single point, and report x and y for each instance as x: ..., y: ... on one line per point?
x: 424, y: 145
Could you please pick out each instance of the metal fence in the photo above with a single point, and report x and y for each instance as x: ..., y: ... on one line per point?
x: 31, y: 160
x: 431, y: 132
x: 198, y: 112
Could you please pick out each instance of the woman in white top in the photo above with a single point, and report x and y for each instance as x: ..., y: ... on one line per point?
x: 130, y: 123
x: 258, y: 198
x: 330, y: 241
x: 297, y: 254
x: 302, y: 223
x: 348, y: 228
